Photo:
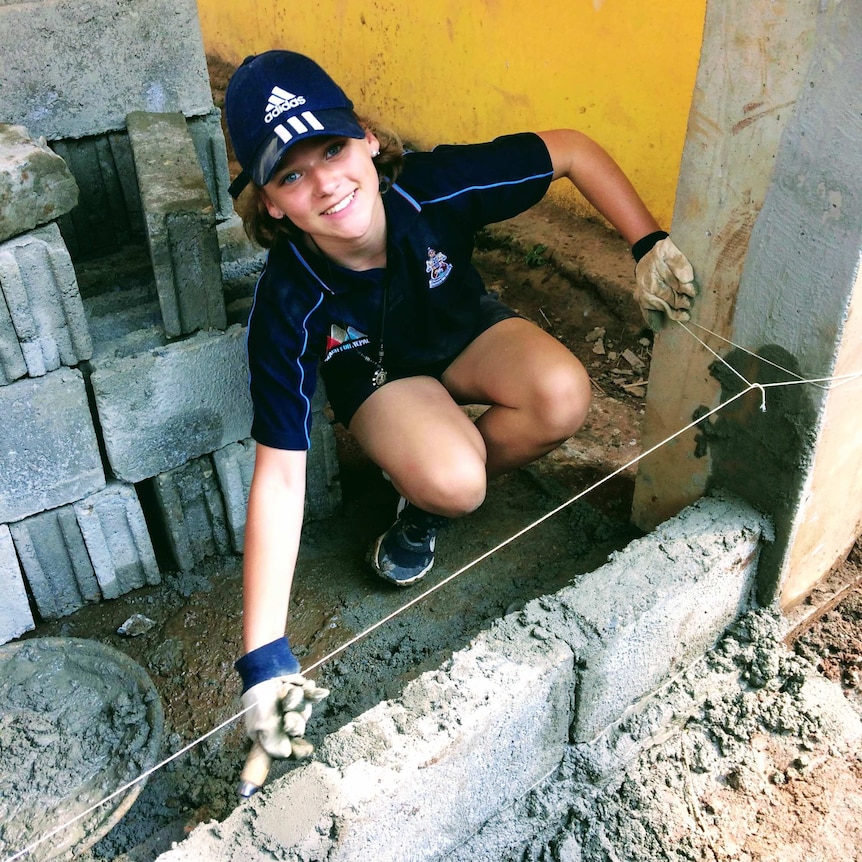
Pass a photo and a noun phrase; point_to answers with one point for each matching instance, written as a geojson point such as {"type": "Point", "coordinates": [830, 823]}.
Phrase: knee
{"type": "Point", "coordinates": [452, 490]}
{"type": "Point", "coordinates": [562, 400]}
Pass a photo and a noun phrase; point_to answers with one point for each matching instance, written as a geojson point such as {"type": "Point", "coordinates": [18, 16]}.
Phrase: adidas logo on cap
{"type": "Point", "coordinates": [280, 101]}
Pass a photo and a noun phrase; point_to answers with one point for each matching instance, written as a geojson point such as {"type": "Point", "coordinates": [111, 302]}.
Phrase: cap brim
{"type": "Point", "coordinates": [335, 122]}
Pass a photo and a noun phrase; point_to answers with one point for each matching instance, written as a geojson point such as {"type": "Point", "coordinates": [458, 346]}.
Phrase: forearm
{"type": "Point", "coordinates": [601, 181]}
{"type": "Point", "coordinates": [273, 528]}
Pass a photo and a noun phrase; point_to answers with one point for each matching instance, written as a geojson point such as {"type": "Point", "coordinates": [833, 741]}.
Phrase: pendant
{"type": "Point", "coordinates": [378, 378]}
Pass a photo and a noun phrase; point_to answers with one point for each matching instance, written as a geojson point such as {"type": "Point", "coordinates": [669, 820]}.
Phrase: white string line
{"type": "Point", "coordinates": [127, 786]}
{"type": "Point", "coordinates": [428, 592]}
{"type": "Point", "coordinates": [714, 353]}
{"type": "Point", "coordinates": [378, 624]}
{"type": "Point", "coordinates": [836, 380]}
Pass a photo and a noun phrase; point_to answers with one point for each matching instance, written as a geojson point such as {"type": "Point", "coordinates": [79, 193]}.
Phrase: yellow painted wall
{"type": "Point", "coordinates": [466, 70]}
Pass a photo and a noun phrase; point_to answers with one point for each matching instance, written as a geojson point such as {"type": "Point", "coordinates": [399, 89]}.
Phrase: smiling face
{"type": "Point", "coordinates": [328, 188]}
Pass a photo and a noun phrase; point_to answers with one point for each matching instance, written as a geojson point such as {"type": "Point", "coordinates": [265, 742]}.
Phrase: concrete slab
{"type": "Point", "coordinates": [118, 542]}
{"type": "Point", "coordinates": [162, 408]}
{"type": "Point", "coordinates": [36, 186]}
{"type": "Point", "coordinates": [12, 364]}
{"type": "Point", "coordinates": [180, 223]}
{"type": "Point", "coordinates": [56, 89]}
{"type": "Point", "coordinates": [192, 511]}
{"type": "Point", "coordinates": [208, 138]}
{"type": "Point", "coordinates": [42, 301]}
{"type": "Point", "coordinates": [49, 454]}
{"type": "Point", "coordinates": [56, 564]}
{"type": "Point", "coordinates": [109, 207]}
{"type": "Point", "coordinates": [235, 466]}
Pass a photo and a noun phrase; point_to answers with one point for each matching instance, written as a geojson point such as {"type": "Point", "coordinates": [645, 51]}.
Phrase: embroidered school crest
{"type": "Point", "coordinates": [437, 267]}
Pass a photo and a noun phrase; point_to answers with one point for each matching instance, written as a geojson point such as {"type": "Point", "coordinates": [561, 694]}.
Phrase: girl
{"type": "Point", "coordinates": [369, 278]}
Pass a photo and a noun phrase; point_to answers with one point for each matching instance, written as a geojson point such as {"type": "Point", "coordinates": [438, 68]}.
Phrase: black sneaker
{"type": "Point", "coordinates": [405, 552]}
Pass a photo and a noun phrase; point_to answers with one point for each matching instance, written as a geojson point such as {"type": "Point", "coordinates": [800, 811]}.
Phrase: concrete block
{"type": "Point", "coordinates": [118, 542]}
{"type": "Point", "coordinates": [412, 779]}
{"type": "Point", "coordinates": [42, 301]}
{"type": "Point", "coordinates": [55, 562]}
{"type": "Point", "coordinates": [180, 223]}
{"type": "Point", "coordinates": [235, 466]}
{"type": "Point", "coordinates": [36, 186]}
{"type": "Point", "coordinates": [322, 485]}
{"type": "Point", "coordinates": [239, 255]}
{"type": "Point", "coordinates": [109, 212]}
{"type": "Point", "coordinates": [193, 512]}
{"type": "Point", "coordinates": [49, 455]}
{"type": "Point", "coordinates": [208, 138]}
{"type": "Point", "coordinates": [655, 607]}
{"type": "Point", "coordinates": [15, 614]}
{"type": "Point", "coordinates": [159, 409]}
{"type": "Point", "coordinates": [75, 69]}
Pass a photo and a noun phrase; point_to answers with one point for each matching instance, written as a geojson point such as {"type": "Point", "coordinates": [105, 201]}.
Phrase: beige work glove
{"type": "Point", "coordinates": [279, 709]}
{"type": "Point", "coordinates": [665, 284]}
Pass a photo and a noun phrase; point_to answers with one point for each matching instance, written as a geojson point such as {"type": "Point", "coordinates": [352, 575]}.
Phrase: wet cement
{"type": "Point", "coordinates": [748, 755]}
{"type": "Point", "coordinates": [78, 720]}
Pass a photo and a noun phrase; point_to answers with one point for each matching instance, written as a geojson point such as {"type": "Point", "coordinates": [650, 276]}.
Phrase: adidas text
{"type": "Point", "coordinates": [282, 107]}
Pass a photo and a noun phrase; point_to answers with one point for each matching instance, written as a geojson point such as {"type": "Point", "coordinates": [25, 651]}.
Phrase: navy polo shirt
{"type": "Point", "coordinates": [309, 311]}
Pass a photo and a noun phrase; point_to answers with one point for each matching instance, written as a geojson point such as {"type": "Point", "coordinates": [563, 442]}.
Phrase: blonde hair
{"type": "Point", "coordinates": [265, 230]}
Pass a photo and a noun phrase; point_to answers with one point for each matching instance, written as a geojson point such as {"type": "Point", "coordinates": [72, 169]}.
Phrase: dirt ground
{"type": "Point", "coordinates": [770, 798]}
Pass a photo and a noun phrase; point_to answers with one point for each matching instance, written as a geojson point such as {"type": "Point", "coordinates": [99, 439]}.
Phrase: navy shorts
{"type": "Point", "coordinates": [349, 380]}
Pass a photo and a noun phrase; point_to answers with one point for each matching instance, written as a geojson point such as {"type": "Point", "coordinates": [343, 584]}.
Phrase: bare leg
{"type": "Point", "coordinates": [538, 392]}
{"type": "Point", "coordinates": [435, 456]}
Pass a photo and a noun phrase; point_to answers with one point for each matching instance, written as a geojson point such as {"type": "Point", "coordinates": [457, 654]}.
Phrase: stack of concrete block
{"type": "Point", "coordinates": [68, 536]}
{"type": "Point", "coordinates": [49, 455]}
{"type": "Point", "coordinates": [103, 399]}
{"type": "Point", "coordinates": [43, 320]}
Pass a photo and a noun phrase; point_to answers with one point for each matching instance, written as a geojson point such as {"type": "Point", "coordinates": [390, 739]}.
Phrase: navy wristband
{"type": "Point", "coordinates": [266, 662]}
{"type": "Point", "coordinates": [645, 243]}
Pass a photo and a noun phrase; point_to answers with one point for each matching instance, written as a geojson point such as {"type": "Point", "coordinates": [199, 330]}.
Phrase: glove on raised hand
{"type": "Point", "coordinates": [278, 698]}
{"type": "Point", "coordinates": [665, 280]}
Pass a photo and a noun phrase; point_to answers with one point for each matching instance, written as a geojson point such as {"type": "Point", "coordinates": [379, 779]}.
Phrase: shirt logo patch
{"type": "Point", "coordinates": [340, 339]}
{"type": "Point", "coordinates": [437, 267]}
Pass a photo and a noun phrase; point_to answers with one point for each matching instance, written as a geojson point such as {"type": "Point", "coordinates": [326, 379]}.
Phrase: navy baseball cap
{"type": "Point", "coordinates": [275, 99]}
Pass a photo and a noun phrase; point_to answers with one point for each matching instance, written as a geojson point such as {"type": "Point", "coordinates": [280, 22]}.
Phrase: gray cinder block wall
{"type": "Point", "coordinates": [133, 376]}
{"type": "Point", "coordinates": [415, 777]}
